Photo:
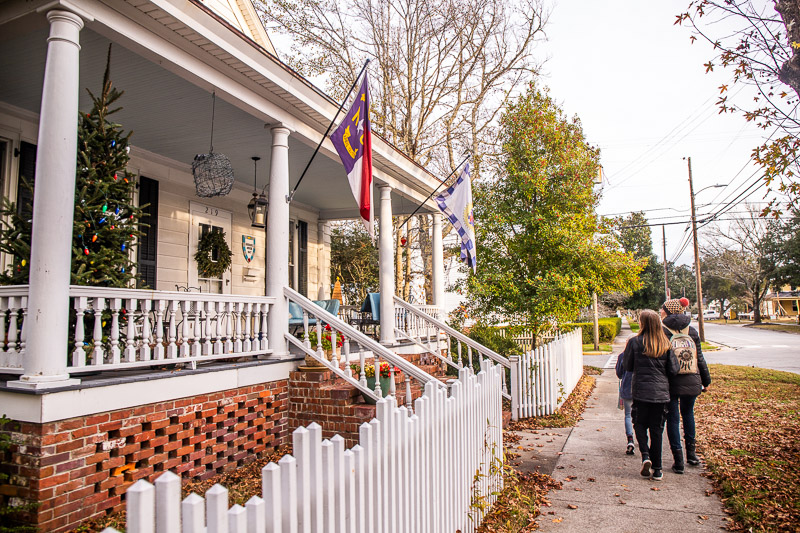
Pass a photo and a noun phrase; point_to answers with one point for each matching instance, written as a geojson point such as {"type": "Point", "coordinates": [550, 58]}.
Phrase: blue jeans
{"type": "Point", "coordinates": [680, 407]}
{"type": "Point", "coordinates": [628, 422]}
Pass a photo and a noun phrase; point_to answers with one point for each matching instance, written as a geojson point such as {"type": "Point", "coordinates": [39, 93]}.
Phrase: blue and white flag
{"type": "Point", "coordinates": [456, 204]}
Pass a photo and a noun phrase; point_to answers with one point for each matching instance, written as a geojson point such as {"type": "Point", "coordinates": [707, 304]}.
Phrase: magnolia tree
{"type": "Point", "coordinates": [541, 249]}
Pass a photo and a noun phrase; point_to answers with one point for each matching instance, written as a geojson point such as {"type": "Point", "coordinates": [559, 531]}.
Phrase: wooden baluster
{"type": "Point", "coordinates": [130, 331]}
{"type": "Point", "coordinates": [469, 356]}
{"type": "Point", "coordinates": [320, 351]}
{"type": "Point", "coordinates": [197, 329]}
{"type": "Point", "coordinates": [306, 341]}
{"type": "Point", "coordinates": [97, 334]}
{"type": "Point", "coordinates": [144, 348]}
{"type": "Point", "coordinates": [503, 377]}
{"type": "Point", "coordinates": [219, 310]}
{"type": "Point", "coordinates": [115, 304]}
{"type": "Point", "coordinates": [13, 322]}
{"type": "Point", "coordinates": [258, 345]}
{"type": "Point", "coordinates": [346, 357]}
{"type": "Point", "coordinates": [363, 377]}
{"type": "Point", "coordinates": [409, 405]}
{"type": "Point", "coordinates": [334, 350]}
{"type": "Point", "coordinates": [239, 334]}
{"type": "Point", "coordinates": [78, 354]}
{"type": "Point", "coordinates": [23, 336]}
{"type": "Point", "coordinates": [377, 365]}
{"type": "Point", "coordinates": [172, 346]}
{"type": "Point", "coordinates": [159, 351]}
{"type": "Point", "coordinates": [460, 359]}
{"type": "Point", "coordinates": [392, 386]}
{"type": "Point", "coordinates": [229, 329]}
{"type": "Point", "coordinates": [208, 348]}
{"type": "Point", "coordinates": [186, 347]}
{"type": "Point", "coordinates": [247, 346]}
{"type": "Point", "coordinates": [4, 357]}
{"type": "Point", "coordinates": [264, 330]}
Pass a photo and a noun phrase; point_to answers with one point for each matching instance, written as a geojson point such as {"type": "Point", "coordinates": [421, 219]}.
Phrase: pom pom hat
{"type": "Point", "coordinates": [675, 305]}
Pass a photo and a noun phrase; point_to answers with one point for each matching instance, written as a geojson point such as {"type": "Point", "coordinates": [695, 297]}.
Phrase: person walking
{"type": "Point", "coordinates": [691, 380]}
{"type": "Point", "coordinates": [649, 356]}
{"type": "Point", "coordinates": [626, 398]}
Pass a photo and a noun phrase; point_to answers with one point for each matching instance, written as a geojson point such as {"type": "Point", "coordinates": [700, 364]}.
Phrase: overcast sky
{"type": "Point", "coordinates": [640, 89]}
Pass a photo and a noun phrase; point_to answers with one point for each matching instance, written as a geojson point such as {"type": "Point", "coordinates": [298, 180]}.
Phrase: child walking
{"type": "Point", "coordinates": [649, 356]}
{"type": "Point", "coordinates": [626, 397]}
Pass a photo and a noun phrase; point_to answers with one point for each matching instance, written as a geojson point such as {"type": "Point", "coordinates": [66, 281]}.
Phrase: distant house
{"type": "Point", "coordinates": [784, 302]}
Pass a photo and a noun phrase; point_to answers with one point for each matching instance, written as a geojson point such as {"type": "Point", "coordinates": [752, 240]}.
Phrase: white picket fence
{"type": "Point", "coordinates": [543, 378]}
{"type": "Point", "coordinates": [436, 470]}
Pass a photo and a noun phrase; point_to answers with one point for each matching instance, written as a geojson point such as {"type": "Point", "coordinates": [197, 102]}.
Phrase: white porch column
{"type": "Point", "coordinates": [437, 260]}
{"type": "Point", "coordinates": [324, 259]}
{"type": "Point", "coordinates": [278, 239]}
{"type": "Point", "coordinates": [51, 240]}
{"type": "Point", "coordinates": [386, 266]}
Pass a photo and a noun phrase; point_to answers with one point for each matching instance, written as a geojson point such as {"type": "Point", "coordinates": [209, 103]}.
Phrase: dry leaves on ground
{"type": "Point", "coordinates": [569, 413]}
{"type": "Point", "coordinates": [748, 430]}
{"type": "Point", "coordinates": [519, 503]}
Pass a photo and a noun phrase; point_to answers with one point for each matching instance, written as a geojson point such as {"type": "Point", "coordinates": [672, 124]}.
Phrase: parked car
{"type": "Point", "coordinates": [745, 316]}
{"type": "Point", "coordinates": [708, 315]}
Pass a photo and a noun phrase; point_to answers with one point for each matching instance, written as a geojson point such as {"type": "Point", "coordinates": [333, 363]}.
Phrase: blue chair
{"type": "Point", "coordinates": [370, 313]}
{"type": "Point", "coordinates": [296, 313]}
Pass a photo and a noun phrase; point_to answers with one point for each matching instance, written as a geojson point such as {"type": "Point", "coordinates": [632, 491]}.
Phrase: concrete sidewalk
{"type": "Point", "coordinates": [602, 487]}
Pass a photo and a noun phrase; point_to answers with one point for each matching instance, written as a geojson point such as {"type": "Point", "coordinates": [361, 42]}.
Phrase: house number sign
{"type": "Point", "coordinates": [248, 247]}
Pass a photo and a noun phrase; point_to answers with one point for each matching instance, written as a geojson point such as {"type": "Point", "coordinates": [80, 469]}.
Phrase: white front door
{"type": "Point", "coordinates": [205, 218]}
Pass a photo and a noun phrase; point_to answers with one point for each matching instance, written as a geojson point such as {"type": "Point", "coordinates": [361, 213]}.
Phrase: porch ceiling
{"type": "Point", "coordinates": [171, 117]}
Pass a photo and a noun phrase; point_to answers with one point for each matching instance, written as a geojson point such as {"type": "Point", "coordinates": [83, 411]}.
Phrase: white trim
{"type": "Point", "coordinates": [54, 406]}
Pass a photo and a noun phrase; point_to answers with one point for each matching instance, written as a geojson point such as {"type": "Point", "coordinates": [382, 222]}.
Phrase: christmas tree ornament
{"type": "Point", "coordinates": [213, 173]}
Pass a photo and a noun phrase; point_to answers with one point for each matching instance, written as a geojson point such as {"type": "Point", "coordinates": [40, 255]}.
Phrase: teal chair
{"type": "Point", "coordinates": [296, 313]}
{"type": "Point", "coordinates": [370, 313]}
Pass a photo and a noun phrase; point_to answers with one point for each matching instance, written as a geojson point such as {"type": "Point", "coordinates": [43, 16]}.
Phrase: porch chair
{"type": "Point", "coordinates": [370, 313]}
{"type": "Point", "coordinates": [296, 313]}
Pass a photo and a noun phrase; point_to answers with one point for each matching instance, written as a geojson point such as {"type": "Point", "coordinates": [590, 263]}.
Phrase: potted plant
{"type": "Point", "coordinates": [326, 343]}
{"type": "Point", "coordinates": [384, 374]}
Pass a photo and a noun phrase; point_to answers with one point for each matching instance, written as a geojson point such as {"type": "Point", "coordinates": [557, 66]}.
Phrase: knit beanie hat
{"type": "Point", "coordinates": [676, 305]}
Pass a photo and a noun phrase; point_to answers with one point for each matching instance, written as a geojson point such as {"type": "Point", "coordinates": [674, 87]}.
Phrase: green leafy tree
{"type": "Point", "coordinates": [106, 221]}
{"type": "Point", "coordinates": [783, 250]}
{"type": "Point", "coordinates": [541, 249]}
{"type": "Point", "coordinates": [718, 288]}
{"type": "Point", "coordinates": [354, 261]}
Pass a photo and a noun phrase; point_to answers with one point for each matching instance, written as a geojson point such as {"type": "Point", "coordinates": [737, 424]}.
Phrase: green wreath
{"type": "Point", "coordinates": [206, 268]}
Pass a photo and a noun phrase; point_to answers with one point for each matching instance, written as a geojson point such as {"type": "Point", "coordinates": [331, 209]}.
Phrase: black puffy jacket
{"type": "Point", "coordinates": [651, 375]}
{"type": "Point", "coordinates": [687, 384]}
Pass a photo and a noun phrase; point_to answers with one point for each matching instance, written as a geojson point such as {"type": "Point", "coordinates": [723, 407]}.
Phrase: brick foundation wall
{"type": "Point", "coordinates": [81, 467]}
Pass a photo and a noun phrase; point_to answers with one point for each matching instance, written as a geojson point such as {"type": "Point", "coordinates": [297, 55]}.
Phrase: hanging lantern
{"type": "Point", "coordinates": [257, 208]}
{"type": "Point", "coordinates": [213, 173]}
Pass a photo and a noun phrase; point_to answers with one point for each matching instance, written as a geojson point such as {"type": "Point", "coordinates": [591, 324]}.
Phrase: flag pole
{"type": "Point", "coordinates": [290, 196]}
{"type": "Point", "coordinates": [434, 191]}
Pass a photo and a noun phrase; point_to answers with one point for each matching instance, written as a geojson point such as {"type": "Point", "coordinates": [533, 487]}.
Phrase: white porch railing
{"type": "Point", "coordinates": [352, 340]}
{"type": "Point", "coordinates": [543, 378]}
{"type": "Point", "coordinates": [428, 331]}
{"type": "Point", "coordinates": [127, 328]}
{"type": "Point", "coordinates": [439, 469]}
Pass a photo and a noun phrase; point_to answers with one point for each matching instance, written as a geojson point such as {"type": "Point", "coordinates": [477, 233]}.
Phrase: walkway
{"type": "Point", "coordinates": [602, 488]}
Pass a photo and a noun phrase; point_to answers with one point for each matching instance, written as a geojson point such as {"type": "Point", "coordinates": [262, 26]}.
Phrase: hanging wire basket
{"type": "Point", "coordinates": [213, 175]}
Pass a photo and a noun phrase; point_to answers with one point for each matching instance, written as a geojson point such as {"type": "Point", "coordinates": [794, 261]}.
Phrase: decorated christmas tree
{"type": "Point", "coordinates": [106, 221]}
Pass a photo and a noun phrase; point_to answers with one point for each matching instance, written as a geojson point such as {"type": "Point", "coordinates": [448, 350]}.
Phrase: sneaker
{"type": "Point", "coordinates": [646, 467]}
{"type": "Point", "coordinates": [658, 475]}
{"type": "Point", "coordinates": [629, 450]}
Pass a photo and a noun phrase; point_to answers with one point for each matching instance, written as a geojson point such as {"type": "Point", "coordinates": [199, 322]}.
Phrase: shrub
{"type": "Point", "coordinates": [607, 331]}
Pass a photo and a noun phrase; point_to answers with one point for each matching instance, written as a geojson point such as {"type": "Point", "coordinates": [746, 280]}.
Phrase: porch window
{"type": "Point", "coordinates": [27, 170]}
{"type": "Point", "coordinates": [298, 256]}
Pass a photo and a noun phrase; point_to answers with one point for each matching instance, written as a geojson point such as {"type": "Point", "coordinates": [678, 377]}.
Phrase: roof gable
{"type": "Point", "coordinates": [242, 15]}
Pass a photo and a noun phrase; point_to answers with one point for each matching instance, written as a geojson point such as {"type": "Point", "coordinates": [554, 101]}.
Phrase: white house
{"type": "Point", "coordinates": [195, 381]}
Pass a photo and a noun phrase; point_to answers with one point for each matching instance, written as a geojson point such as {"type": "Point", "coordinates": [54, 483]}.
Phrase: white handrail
{"type": "Point", "coordinates": [491, 354]}
{"type": "Point", "coordinates": [352, 333]}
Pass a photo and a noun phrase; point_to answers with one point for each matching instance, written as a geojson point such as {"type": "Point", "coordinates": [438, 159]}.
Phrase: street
{"type": "Point", "coordinates": [753, 347]}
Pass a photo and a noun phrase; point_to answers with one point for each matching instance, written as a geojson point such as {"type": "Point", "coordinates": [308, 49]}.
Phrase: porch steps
{"type": "Point", "coordinates": [339, 407]}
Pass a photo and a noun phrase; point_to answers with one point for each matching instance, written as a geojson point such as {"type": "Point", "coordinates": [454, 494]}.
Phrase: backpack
{"type": "Point", "coordinates": [685, 351]}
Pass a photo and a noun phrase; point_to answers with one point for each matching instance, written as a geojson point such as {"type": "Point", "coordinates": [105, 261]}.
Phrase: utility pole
{"type": "Point", "coordinates": [664, 243]}
{"type": "Point", "coordinates": [596, 324]}
{"type": "Point", "coordinates": [701, 328]}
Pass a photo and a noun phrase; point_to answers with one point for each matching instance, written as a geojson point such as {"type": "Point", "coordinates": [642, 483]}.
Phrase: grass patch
{"type": "Point", "coordinates": [786, 328]}
{"type": "Point", "coordinates": [752, 464]}
{"type": "Point", "coordinates": [633, 325]}
{"type": "Point", "coordinates": [590, 347]}
{"type": "Point", "coordinates": [707, 347]}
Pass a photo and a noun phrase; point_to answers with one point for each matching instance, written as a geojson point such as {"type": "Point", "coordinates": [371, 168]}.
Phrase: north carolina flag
{"type": "Point", "coordinates": [353, 142]}
{"type": "Point", "coordinates": [456, 204]}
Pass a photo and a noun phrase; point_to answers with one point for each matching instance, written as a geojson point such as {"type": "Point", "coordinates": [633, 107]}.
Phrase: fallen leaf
{"type": "Point", "coordinates": [590, 479]}
{"type": "Point", "coordinates": [616, 494]}
{"type": "Point", "coordinates": [578, 489]}
{"type": "Point", "coordinates": [557, 520]}
{"type": "Point", "coordinates": [572, 506]}
{"type": "Point", "coordinates": [654, 488]}
{"type": "Point", "coordinates": [622, 502]}
{"type": "Point", "coordinates": [703, 517]}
